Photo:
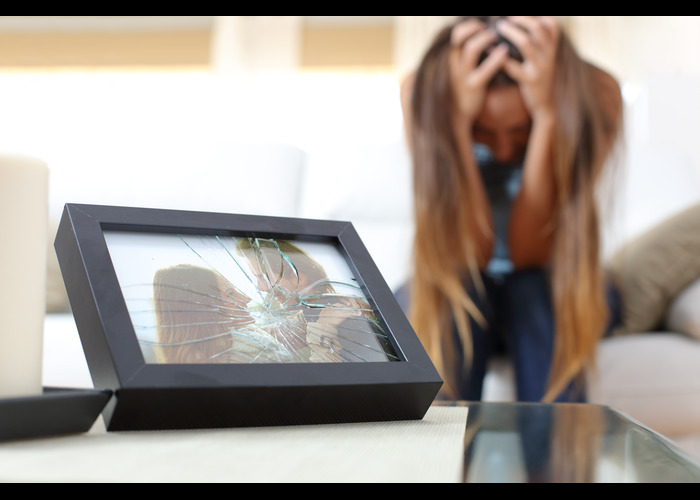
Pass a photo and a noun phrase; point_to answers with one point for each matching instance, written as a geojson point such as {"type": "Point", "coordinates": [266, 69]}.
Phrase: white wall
{"type": "Point", "coordinates": [634, 47]}
{"type": "Point", "coordinates": [136, 138]}
{"type": "Point", "coordinates": [657, 61]}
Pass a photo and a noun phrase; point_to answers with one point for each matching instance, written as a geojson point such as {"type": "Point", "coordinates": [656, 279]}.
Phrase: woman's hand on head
{"type": "Point", "coordinates": [468, 78]}
{"type": "Point", "coordinates": [537, 39]}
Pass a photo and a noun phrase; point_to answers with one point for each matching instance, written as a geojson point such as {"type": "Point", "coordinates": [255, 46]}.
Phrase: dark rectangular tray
{"type": "Point", "coordinates": [58, 411]}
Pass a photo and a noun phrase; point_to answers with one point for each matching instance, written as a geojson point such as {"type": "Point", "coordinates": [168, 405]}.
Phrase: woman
{"type": "Point", "coordinates": [196, 311]}
{"type": "Point", "coordinates": [509, 132]}
{"type": "Point", "coordinates": [340, 325]}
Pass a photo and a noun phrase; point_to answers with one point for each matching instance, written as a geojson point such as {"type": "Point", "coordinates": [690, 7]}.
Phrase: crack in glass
{"type": "Point", "coordinates": [249, 300]}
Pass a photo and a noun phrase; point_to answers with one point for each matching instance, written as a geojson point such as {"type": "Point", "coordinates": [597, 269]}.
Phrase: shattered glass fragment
{"type": "Point", "coordinates": [223, 299]}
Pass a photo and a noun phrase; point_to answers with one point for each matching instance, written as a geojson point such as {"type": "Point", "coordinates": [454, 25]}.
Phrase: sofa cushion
{"type": "Point", "coordinates": [654, 267]}
{"type": "Point", "coordinates": [372, 183]}
{"type": "Point", "coordinates": [684, 312]}
{"type": "Point", "coordinates": [652, 377]}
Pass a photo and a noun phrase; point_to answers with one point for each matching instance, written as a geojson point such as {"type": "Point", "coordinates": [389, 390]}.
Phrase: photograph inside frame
{"type": "Point", "coordinates": [227, 299]}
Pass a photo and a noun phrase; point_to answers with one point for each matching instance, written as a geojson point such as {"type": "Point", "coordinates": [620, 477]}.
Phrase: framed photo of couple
{"type": "Point", "coordinates": [197, 319]}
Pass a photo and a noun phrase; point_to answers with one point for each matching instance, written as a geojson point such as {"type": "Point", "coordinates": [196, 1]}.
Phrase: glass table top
{"type": "Point", "coordinates": [567, 442]}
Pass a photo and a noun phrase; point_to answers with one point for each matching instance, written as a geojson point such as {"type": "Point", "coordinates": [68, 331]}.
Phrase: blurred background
{"type": "Point", "coordinates": [130, 103]}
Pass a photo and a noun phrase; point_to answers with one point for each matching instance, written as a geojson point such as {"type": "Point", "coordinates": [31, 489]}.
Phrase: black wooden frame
{"type": "Point", "coordinates": [172, 396]}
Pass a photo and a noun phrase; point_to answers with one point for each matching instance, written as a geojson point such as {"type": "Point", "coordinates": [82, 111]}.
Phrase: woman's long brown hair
{"type": "Point", "coordinates": [195, 314]}
{"type": "Point", "coordinates": [588, 123]}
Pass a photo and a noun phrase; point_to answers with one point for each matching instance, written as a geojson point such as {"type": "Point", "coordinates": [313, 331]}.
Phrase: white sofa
{"type": "Point", "coordinates": [652, 376]}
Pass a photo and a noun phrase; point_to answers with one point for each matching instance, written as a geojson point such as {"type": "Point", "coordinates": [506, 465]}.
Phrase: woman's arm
{"type": "Point", "coordinates": [481, 222]}
{"type": "Point", "coordinates": [469, 82]}
{"type": "Point", "coordinates": [530, 234]}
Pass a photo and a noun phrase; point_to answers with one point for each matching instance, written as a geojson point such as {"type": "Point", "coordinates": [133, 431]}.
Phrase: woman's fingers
{"type": "Point", "coordinates": [465, 30]}
{"type": "Point", "coordinates": [543, 29]}
{"type": "Point", "coordinates": [465, 57]}
{"type": "Point", "coordinates": [537, 40]}
{"type": "Point", "coordinates": [531, 35]}
{"type": "Point", "coordinates": [473, 47]}
{"type": "Point", "coordinates": [496, 59]}
{"type": "Point", "coordinates": [514, 69]}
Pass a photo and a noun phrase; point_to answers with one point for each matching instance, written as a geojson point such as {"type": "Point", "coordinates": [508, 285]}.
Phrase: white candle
{"type": "Point", "coordinates": [24, 193]}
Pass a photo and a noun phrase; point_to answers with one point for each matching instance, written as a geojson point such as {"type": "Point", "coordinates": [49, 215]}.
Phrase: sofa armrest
{"type": "Point", "coordinates": [653, 377]}
{"type": "Point", "coordinates": [683, 315]}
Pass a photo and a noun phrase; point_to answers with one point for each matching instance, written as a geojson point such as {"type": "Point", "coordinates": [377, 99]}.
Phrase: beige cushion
{"type": "Point", "coordinates": [684, 312]}
{"type": "Point", "coordinates": [654, 267]}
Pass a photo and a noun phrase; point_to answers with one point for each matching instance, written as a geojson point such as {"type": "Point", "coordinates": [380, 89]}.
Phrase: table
{"type": "Point", "coordinates": [471, 442]}
{"type": "Point", "coordinates": [454, 442]}
{"type": "Point", "coordinates": [567, 442]}
{"type": "Point", "coordinates": [427, 450]}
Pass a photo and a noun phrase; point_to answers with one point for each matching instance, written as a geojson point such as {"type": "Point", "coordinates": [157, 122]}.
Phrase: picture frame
{"type": "Point", "coordinates": [294, 323]}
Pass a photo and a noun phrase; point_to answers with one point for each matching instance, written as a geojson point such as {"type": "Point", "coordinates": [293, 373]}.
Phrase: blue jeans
{"type": "Point", "coordinates": [520, 322]}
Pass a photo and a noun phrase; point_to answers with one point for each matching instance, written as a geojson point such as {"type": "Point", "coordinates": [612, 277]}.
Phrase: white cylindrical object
{"type": "Point", "coordinates": [24, 194]}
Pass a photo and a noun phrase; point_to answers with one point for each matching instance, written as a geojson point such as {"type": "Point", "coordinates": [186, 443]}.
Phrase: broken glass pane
{"type": "Point", "coordinates": [223, 299]}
